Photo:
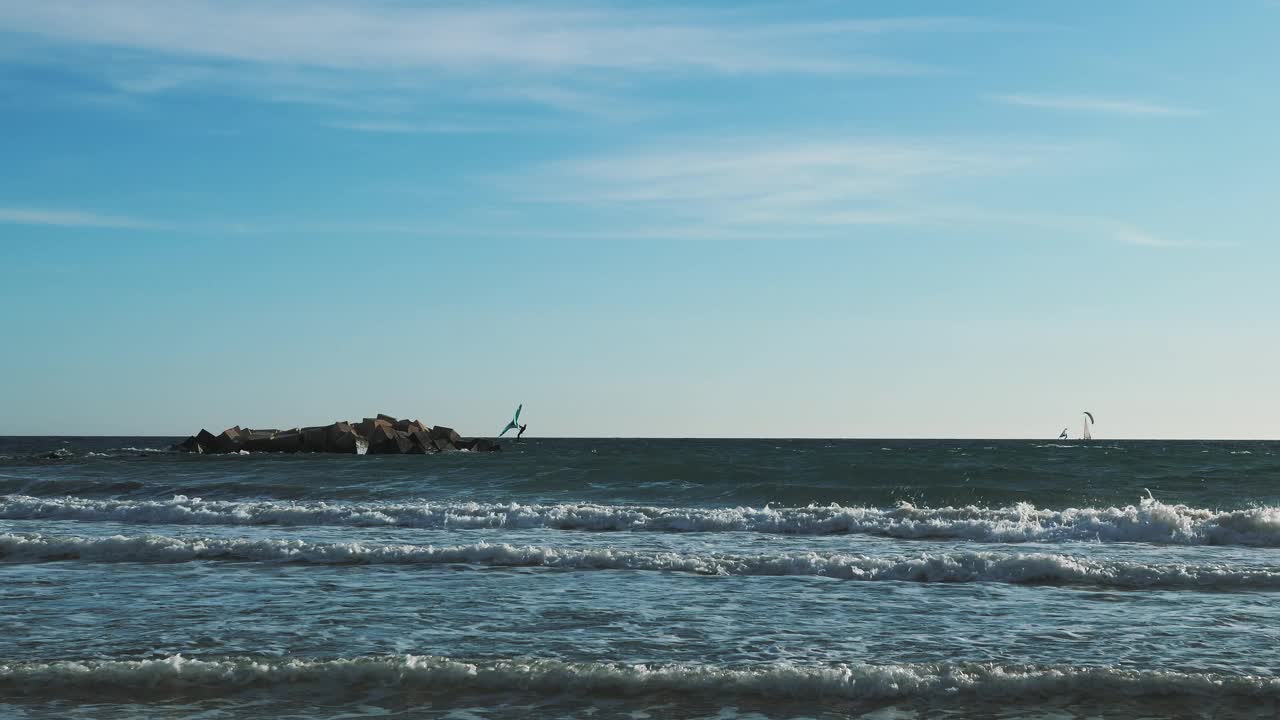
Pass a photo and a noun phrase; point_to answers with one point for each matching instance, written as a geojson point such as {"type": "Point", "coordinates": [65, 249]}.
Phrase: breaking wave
{"type": "Point", "coordinates": [1150, 521]}
{"type": "Point", "coordinates": [942, 567]}
{"type": "Point", "coordinates": [177, 675]}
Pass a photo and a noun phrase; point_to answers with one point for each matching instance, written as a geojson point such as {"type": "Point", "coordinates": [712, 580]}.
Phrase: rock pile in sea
{"type": "Point", "coordinates": [377, 435]}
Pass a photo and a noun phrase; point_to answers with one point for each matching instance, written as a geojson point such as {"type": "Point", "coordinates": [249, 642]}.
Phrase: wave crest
{"type": "Point", "coordinates": [176, 675]}
{"type": "Point", "coordinates": [946, 567]}
{"type": "Point", "coordinates": [1149, 521]}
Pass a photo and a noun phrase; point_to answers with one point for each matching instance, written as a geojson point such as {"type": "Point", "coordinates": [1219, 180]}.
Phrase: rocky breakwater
{"type": "Point", "coordinates": [378, 435]}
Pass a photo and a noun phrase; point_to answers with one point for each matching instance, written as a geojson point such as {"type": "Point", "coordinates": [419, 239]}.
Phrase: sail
{"type": "Point", "coordinates": [1085, 434]}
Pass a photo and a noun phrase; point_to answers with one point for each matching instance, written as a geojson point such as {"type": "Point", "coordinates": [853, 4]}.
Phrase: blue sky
{"type": "Point", "coordinates": [875, 219]}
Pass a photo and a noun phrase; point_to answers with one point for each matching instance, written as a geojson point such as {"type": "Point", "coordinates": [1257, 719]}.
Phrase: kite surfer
{"type": "Point", "coordinates": [515, 422]}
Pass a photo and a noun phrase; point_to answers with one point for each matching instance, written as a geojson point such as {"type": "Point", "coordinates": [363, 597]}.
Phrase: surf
{"type": "Point", "coordinates": [1148, 521]}
{"type": "Point", "coordinates": [177, 676]}
{"type": "Point", "coordinates": [926, 567]}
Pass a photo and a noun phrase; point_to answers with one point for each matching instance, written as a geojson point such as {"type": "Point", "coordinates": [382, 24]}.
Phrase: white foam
{"type": "Point", "coordinates": [176, 675]}
{"type": "Point", "coordinates": [1149, 521]}
{"type": "Point", "coordinates": [948, 567]}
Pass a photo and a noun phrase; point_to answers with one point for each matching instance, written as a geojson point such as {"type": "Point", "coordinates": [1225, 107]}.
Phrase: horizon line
{"type": "Point", "coordinates": [778, 438]}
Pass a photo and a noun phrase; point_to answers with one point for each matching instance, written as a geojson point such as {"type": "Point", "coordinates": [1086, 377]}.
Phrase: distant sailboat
{"type": "Point", "coordinates": [1085, 434]}
{"type": "Point", "coordinates": [1063, 434]}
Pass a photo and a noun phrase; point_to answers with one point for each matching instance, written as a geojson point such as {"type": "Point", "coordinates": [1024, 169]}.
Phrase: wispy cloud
{"type": "Point", "coordinates": [1077, 225]}
{"type": "Point", "coordinates": [779, 187]}
{"type": "Point", "coordinates": [589, 103]}
{"type": "Point", "coordinates": [153, 79]}
{"type": "Point", "coordinates": [557, 56]}
{"type": "Point", "coordinates": [1093, 104]}
{"type": "Point", "coordinates": [393, 35]}
{"type": "Point", "coordinates": [411, 128]}
{"type": "Point", "coordinates": [69, 218]}
{"type": "Point", "coordinates": [1134, 236]}
{"type": "Point", "coordinates": [780, 168]}
{"type": "Point", "coordinates": [771, 183]}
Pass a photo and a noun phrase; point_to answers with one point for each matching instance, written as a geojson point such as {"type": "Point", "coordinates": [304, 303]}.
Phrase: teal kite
{"type": "Point", "coordinates": [515, 421]}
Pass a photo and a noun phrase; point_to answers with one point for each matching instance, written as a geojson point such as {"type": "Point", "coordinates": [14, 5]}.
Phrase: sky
{"type": "Point", "coordinates": [760, 219]}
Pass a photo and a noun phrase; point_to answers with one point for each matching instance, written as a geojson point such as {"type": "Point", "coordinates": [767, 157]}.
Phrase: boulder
{"type": "Point", "coordinates": [315, 439]}
{"type": "Point", "coordinates": [404, 441]}
{"type": "Point", "coordinates": [441, 432]}
{"type": "Point", "coordinates": [386, 440]}
{"type": "Point", "coordinates": [202, 442]}
{"type": "Point", "coordinates": [257, 440]}
{"type": "Point", "coordinates": [206, 442]}
{"type": "Point", "coordinates": [422, 442]}
{"type": "Point", "coordinates": [229, 441]}
{"type": "Point", "coordinates": [484, 445]}
{"type": "Point", "coordinates": [286, 441]}
{"type": "Point", "coordinates": [410, 425]}
{"type": "Point", "coordinates": [416, 447]}
{"type": "Point", "coordinates": [444, 438]}
{"type": "Point", "coordinates": [188, 445]}
{"type": "Point", "coordinates": [387, 418]}
{"type": "Point", "coordinates": [366, 426]}
{"type": "Point", "coordinates": [341, 437]}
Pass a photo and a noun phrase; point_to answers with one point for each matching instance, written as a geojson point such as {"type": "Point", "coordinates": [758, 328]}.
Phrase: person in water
{"type": "Point", "coordinates": [522, 429]}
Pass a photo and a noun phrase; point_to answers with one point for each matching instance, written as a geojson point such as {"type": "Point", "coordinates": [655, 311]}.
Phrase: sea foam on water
{"type": "Point", "coordinates": [1149, 521]}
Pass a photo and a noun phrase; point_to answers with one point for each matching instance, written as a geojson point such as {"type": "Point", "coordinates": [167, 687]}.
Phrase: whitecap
{"type": "Point", "coordinates": [926, 567]}
{"type": "Point", "coordinates": [177, 675]}
{"type": "Point", "coordinates": [1149, 521]}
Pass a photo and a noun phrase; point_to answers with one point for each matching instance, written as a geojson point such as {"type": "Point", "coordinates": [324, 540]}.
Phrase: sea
{"type": "Point", "coordinates": [602, 578]}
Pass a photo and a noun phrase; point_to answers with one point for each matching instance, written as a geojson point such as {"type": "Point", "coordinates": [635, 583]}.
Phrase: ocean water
{"type": "Point", "coordinates": [643, 579]}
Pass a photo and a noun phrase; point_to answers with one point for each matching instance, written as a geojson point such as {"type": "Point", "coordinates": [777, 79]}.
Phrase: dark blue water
{"type": "Point", "coordinates": [642, 578]}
